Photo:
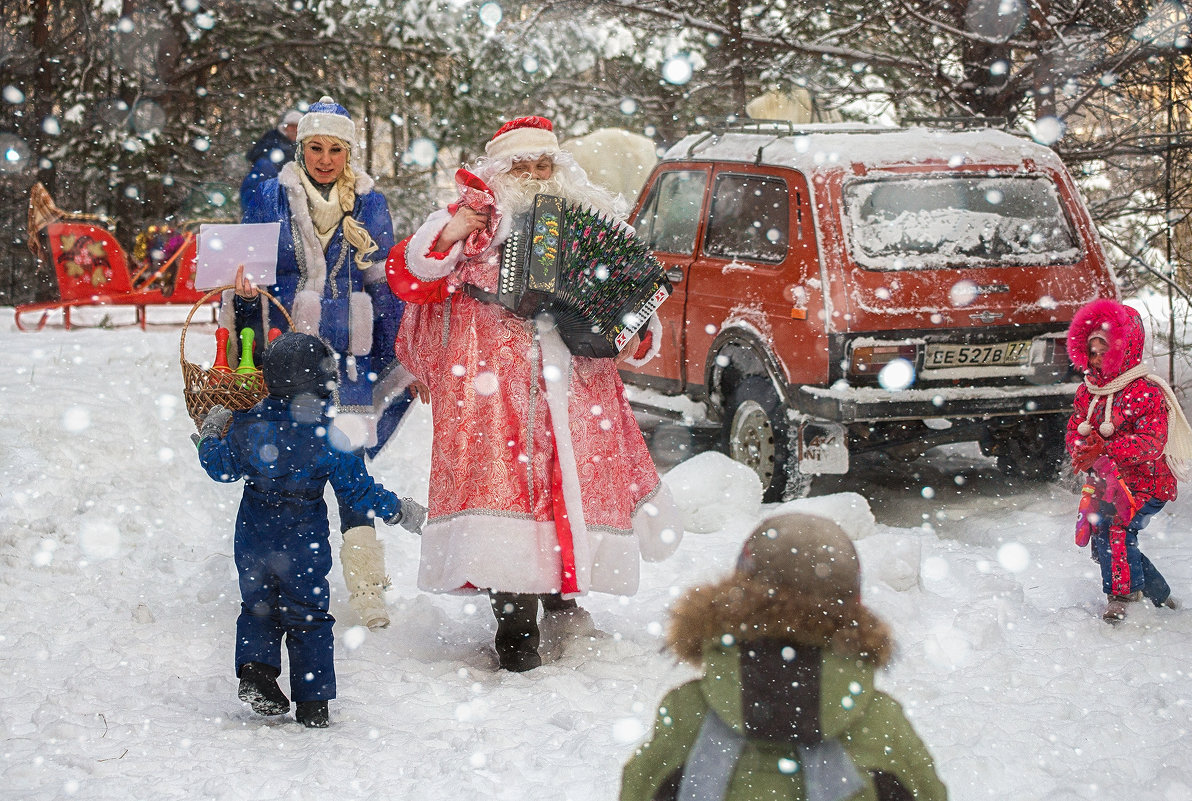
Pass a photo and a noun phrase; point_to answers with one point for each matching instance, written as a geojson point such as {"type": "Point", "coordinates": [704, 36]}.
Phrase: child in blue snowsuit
{"type": "Point", "coordinates": [282, 550]}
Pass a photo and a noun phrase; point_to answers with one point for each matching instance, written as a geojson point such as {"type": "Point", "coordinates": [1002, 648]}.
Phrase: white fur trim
{"type": "Point", "coordinates": [396, 379]}
{"type": "Point", "coordinates": [358, 424]}
{"type": "Point", "coordinates": [517, 554]}
{"type": "Point", "coordinates": [360, 323]}
{"type": "Point", "coordinates": [364, 182]}
{"type": "Point", "coordinates": [557, 356]}
{"type": "Point", "coordinates": [654, 326]}
{"type": "Point", "coordinates": [307, 312]}
{"type": "Point", "coordinates": [227, 319]}
{"type": "Point", "coordinates": [418, 262]}
{"type": "Point", "coordinates": [303, 229]}
{"type": "Point", "coordinates": [358, 429]}
{"type": "Point", "coordinates": [519, 141]}
{"type": "Point", "coordinates": [659, 530]}
{"type": "Point", "coordinates": [321, 123]}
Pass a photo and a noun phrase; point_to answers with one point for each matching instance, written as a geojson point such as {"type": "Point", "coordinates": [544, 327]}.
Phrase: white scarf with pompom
{"type": "Point", "coordinates": [1178, 449]}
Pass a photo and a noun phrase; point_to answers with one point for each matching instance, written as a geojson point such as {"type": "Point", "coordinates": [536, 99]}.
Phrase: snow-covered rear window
{"type": "Point", "coordinates": [928, 222]}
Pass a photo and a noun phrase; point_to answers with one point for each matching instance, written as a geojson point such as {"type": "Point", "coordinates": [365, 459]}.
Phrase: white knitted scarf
{"type": "Point", "coordinates": [1178, 450]}
{"type": "Point", "coordinates": [325, 213]}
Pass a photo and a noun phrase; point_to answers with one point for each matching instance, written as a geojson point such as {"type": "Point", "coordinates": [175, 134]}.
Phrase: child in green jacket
{"type": "Point", "coordinates": [786, 707]}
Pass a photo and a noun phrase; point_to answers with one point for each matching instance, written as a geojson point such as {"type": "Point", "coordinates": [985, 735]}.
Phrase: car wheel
{"type": "Point", "coordinates": [1035, 449]}
{"type": "Point", "coordinates": [756, 434]}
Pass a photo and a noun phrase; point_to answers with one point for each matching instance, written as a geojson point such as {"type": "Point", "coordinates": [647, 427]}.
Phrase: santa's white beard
{"type": "Point", "coordinates": [516, 195]}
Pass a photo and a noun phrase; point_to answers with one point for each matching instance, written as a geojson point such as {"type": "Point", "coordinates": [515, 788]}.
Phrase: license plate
{"type": "Point", "coordinates": [1001, 353]}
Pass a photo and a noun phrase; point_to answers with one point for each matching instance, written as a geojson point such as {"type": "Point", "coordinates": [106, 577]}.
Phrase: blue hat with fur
{"type": "Point", "coordinates": [327, 118]}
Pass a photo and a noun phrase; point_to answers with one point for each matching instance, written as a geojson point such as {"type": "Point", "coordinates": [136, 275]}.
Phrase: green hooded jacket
{"type": "Point", "coordinates": [785, 676]}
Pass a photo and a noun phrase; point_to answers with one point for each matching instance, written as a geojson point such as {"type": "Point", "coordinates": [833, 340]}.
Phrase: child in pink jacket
{"type": "Point", "coordinates": [1127, 422]}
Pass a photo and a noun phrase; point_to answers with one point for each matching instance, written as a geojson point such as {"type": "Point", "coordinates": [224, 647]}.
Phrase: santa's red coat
{"type": "Point", "coordinates": [515, 415]}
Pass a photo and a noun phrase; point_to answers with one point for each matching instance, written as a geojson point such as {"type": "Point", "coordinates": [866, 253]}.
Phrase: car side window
{"type": "Point", "coordinates": [749, 219]}
{"type": "Point", "coordinates": [669, 220]}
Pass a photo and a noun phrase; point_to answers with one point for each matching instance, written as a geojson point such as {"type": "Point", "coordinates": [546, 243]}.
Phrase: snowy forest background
{"type": "Point", "coordinates": [117, 590]}
{"type": "Point", "coordinates": [142, 111]}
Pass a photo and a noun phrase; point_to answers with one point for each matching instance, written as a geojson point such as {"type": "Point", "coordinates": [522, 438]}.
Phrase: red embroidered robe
{"type": "Point", "coordinates": [521, 430]}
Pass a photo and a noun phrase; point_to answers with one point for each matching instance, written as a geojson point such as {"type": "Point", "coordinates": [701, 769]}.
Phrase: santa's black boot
{"type": "Point", "coordinates": [312, 714]}
{"type": "Point", "coordinates": [258, 688]}
{"type": "Point", "coordinates": [517, 630]}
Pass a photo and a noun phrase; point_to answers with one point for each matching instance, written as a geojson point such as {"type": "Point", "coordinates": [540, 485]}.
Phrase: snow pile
{"type": "Point", "coordinates": [711, 490]}
{"type": "Point", "coordinates": [119, 600]}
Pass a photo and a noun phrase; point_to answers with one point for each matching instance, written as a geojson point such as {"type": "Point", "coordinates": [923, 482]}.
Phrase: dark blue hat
{"type": "Point", "coordinates": [297, 363]}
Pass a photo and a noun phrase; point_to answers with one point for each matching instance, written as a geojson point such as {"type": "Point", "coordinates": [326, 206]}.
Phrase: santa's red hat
{"type": "Point", "coordinates": [525, 136]}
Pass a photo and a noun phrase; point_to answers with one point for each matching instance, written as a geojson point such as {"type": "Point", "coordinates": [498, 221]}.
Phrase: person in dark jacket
{"type": "Point", "coordinates": [269, 154]}
{"type": "Point", "coordinates": [786, 707]}
{"type": "Point", "coordinates": [282, 548]}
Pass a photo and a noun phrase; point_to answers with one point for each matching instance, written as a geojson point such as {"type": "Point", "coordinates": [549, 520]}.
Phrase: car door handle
{"type": "Point", "coordinates": [674, 275]}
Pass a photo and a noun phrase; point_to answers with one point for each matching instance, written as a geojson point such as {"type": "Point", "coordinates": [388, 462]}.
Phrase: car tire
{"type": "Point", "coordinates": [1036, 450]}
{"type": "Point", "coordinates": [756, 434]}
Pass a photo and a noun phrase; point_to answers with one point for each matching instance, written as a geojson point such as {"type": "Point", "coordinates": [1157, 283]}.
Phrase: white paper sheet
{"type": "Point", "coordinates": [224, 247]}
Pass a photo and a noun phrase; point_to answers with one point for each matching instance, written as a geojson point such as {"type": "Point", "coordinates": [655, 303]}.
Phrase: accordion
{"type": "Point", "coordinates": [597, 280]}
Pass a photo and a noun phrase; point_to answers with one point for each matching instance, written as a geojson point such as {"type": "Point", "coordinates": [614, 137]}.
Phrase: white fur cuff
{"type": "Point", "coordinates": [360, 323]}
{"type": "Point", "coordinates": [308, 312]}
{"type": "Point", "coordinates": [654, 326]}
{"type": "Point", "coordinates": [418, 262]}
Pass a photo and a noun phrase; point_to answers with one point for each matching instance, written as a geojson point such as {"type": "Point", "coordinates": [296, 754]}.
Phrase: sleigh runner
{"type": "Point", "coordinates": [93, 269]}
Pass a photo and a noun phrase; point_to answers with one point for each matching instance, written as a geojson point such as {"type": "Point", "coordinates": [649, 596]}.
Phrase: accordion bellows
{"type": "Point", "coordinates": [597, 280]}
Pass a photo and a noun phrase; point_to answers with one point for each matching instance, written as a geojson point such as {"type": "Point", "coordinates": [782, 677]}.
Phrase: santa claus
{"type": "Point", "coordinates": [541, 485]}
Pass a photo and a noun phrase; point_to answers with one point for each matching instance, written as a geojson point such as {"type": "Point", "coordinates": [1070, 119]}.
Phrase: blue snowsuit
{"type": "Point", "coordinates": [369, 386]}
{"type": "Point", "coordinates": [267, 156]}
{"type": "Point", "coordinates": [283, 553]}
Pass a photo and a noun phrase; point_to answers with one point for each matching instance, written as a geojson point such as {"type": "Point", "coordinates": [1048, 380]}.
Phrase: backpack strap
{"type": "Point", "coordinates": [828, 771]}
{"type": "Point", "coordinates": [712, 761]}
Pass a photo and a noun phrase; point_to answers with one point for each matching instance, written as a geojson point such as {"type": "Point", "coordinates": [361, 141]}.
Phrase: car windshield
{"type": "Point", "coordinates": [925, 222]}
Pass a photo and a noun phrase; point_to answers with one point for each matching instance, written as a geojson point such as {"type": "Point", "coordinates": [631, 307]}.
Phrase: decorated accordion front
{"type": "Point", "coordinates": [598, 281]}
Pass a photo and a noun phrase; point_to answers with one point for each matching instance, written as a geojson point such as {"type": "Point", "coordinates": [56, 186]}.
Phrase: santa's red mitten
{"type": "Point", "coordinates": [476, 195]}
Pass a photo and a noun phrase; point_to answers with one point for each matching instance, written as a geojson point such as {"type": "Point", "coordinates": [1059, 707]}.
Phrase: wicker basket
{"type": "Point", "coordinates": [205, 389]}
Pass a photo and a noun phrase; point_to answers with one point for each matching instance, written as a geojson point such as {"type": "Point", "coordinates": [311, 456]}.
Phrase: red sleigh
{"type": "Point", "coordinates": [93, 269]}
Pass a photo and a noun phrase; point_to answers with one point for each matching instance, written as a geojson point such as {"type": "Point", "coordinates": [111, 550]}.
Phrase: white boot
{"type": "Point", "coordinates": [566, 618]}
{"type": "Point", "coordinates": [363, 561]}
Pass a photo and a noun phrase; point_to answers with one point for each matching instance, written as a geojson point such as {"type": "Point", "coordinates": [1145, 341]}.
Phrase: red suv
{"type": "Point", "coordinates": [846, 289]}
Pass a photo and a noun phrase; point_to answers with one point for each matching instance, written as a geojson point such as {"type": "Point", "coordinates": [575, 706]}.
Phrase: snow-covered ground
{"type": "Point", "coordinates": [119, 599]}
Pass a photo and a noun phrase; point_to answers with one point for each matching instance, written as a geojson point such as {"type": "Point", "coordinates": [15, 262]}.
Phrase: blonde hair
{"type": "Point", "coordinates": [355, 234]}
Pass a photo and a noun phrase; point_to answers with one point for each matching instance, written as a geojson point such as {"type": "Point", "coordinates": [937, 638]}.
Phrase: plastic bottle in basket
{"type": "Point", "coordinates": [246, 363]}
{"type": "Point", "coordinates": [221, 373]}
{"type": "Point", "coordinates": [250, 376]}
{"type": "Point", "coordinates": [221, 351]}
